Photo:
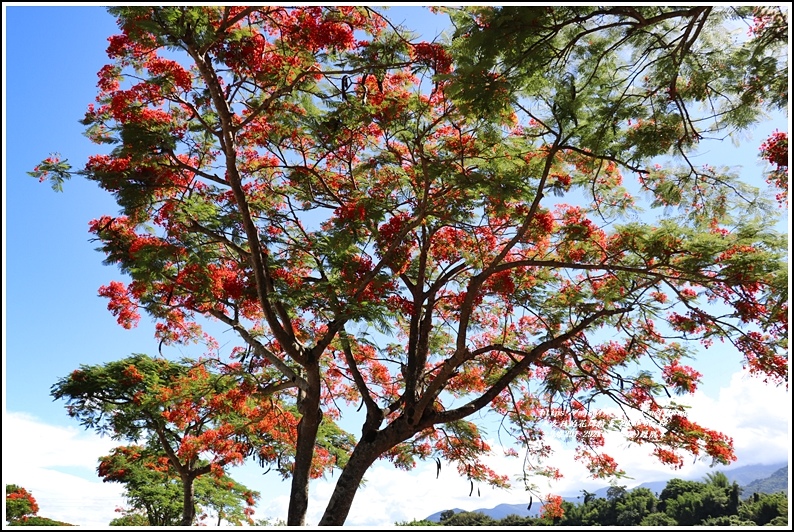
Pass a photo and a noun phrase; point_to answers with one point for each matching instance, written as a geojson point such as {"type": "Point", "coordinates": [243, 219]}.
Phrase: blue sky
{"type": "Point", "coordinates": [54, 321]}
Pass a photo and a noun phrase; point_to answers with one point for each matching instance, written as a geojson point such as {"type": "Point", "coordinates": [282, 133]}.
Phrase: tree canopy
{"type": "Point", "coordinates": [511, 221]}
{"type": "Point", "coordinates": [154, 491]}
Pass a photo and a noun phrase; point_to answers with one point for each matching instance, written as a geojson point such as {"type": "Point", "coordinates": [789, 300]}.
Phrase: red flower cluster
{"type": "Point", "coordinates": [775, 151]}
{"type": "Point", "coordinates": [121, 304]}
{"type": "Point", "coordinates": [23, 494]}
{"type": "Point", "coordinates": [553, 508]}
{"type": "Point", "coordinates": [688, 435]}
{"type": "Point", "coordinates": [166, 67]}
{"type": "Point", "coordinates": [683, 378]}
{"type": "Point", "coordinates": [388, 234]}
{"type": "Point", "coordinates": [433, 55]}
{"type": "Point", "coordinates": [310, 27]}
{"type": "Point", "coordinates": [765, 17]}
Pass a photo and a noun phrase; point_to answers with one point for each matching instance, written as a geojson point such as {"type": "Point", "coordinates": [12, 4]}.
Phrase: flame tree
{"type": "Point", "coordinates": [196, 422]}
{"type": "Point", "coordinates": [22, 509]}
{"type": "Point", "coordinates": [429, 230]}
{"type": "Point", "coordinates": [154, 490]}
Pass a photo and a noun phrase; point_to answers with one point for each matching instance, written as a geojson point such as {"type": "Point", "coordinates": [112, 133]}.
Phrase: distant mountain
{"type": "Point", "coordinates": [753, 478]}
{"type": "Point", "coordinates": [746, 474]}
{"type": "Point", "coordinates": [498, 512]}
{"type": "Point", "coordinates": [777, 481]}
{"type": "Point", "coordinates": [741, 475]}
{"type": "Point", "coordinates": [436, 517]}
{"type": "Point", "coordinates": [656, 486]}
{"type": "Point", "coordinates": [503, 510]}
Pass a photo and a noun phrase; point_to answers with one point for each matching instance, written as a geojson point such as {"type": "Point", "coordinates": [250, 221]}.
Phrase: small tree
{"type": "Point", "coordinates": [154, 489]}
{"type": "Point", "coordinates": [635, 506]}
{"type": "Point", "coordinates": [19, 503]}
{"type": "Point", "coordinates": [692, 503]}
{"type": "Point", "coordinates": [227, 499]}
{"type": "Point", "coordinates": [149, 490]}
{"type": "Point", "coordinates": [184, 410]}
{"type": "Point", "coordinates": [130, 518]}
{"type": "Point", "coordinates": [22, 509]}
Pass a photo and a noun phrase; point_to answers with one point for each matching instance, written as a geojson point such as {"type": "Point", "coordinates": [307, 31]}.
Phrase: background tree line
{"type": "Point", "coordinates": [713, 502]}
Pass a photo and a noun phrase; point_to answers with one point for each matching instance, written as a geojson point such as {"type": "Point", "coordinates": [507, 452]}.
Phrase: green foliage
{"type": "Point", "coordinates": [634, 507]}
{"type": "Point", "coordinates": [692, 508]}
{"type": "Point", "coordinates": [131, 519]}
{"type": "Point", "coordinates": [517, 520]}
{"type": "Point", "coordinates": [112, 398]}
{"type": "Point", "coordinates": [335, 441]}
{"type": "Point", "coordinates": [715, 502]}
{"type": "Point", "coordinates": [467, 519]}
{"type": "Point", "coordinates": [184, 412]}
{"type": "Point", "coordinates": [629, 63]}
{"type": "Point", "coordinates": [54, 169]}
{"type": "Point", "coordinates": [597, 511]}
{"type": "Point", "coordinates": [727, 520]}
{"type": "Point", "coordinates": [757, 72]}
{"type": "Point", "coordinates": [658, 519]}
{"type": "Point", "coordinates": [231, 502]}
{"type": "Point", "coordinates": [148, 488]}
{"type": "Point", "coordinates": [765, 508]}
{"type": "Point", "coordinates": [154, 491]}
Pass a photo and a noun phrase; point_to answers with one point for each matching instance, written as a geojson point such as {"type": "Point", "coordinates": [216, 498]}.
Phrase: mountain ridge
{"type": "Point", "coordinates": [777, 481]}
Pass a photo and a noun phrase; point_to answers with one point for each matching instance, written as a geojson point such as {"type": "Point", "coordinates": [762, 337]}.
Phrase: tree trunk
{"type": "Point", "coordinates": [311, 416]}
{"type": "Point", "coordinates": [364, 455]}
{"type": "Point", "coordinates": [188, 506]}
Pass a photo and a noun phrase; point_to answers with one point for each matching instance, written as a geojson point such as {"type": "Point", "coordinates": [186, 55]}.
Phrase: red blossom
{"type": "Point", "coordinates": [166, 67]}
{"type": "Point", "coordinates": [775, 151]}
{"type": "Point", "coordinates": [668, 457]}
{"type": "Point", "coordinates": [683, 378]}
{"type": "Point", "coordinates": [23, 494]}
{"type": "Point", "coordinates": [552, 508]}
{"type": "Point", "coordinates": [132, 375]}
{"type": "Point", "coordinates": [121, 304]}
{"type": "Point", "coordinates": [433, 55]}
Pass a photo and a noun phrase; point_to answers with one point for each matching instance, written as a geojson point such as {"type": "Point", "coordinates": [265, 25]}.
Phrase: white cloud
{"type": "Point", "coordinates": [32, 450]}
{"type": "Point", "coordinates": [756, 415]}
